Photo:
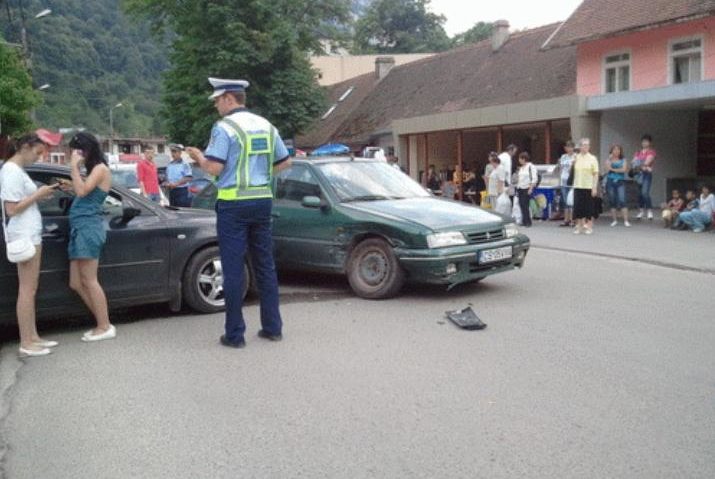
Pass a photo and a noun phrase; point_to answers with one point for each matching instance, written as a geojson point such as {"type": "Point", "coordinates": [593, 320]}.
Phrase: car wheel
{"type": "Point", "coordinates": [203, 282]}
{"type": "Point", "coordinates": [373, 270]}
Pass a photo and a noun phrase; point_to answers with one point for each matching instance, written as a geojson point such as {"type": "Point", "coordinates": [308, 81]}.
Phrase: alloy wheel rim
{"type": "Point", "coordinates": [210, 282]}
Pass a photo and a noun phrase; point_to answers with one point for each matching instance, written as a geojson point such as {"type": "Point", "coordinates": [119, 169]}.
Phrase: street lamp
{"type": "Point", "coordinates": [111, 125]}
{"type": "Point", "coordinates": [43, 13]}
{"type": "Point", "coordinates": [23, 34]}
{"type": "Point", "coordinates": [43, 87]}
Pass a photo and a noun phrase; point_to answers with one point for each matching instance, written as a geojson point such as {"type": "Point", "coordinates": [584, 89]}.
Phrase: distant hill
{"type": "Point", "coordinates": [94, 57]}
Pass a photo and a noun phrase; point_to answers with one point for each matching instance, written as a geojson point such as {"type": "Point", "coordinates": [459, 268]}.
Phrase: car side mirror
{"type": "Point", "coordinates": [129, 213]}
{"type": "Point", "coordinates": [312, 202]}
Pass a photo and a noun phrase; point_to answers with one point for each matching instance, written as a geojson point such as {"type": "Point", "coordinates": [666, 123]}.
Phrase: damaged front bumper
{"type": "Point", "coordinates": [461, 264]}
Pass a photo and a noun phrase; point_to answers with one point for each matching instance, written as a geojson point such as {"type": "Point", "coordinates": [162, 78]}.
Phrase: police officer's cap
{"type": "Point", "coordinates": [176, 146]}
{"type": "Point", "coordinates": [222, 86]}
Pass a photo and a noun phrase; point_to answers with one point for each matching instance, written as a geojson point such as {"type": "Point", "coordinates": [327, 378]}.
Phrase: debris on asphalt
{"type": "Point", "coordinates": [466, 319]}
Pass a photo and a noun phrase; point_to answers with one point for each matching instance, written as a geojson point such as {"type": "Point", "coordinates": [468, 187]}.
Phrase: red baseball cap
{"type": "Point", "coordinates": [49, 138]}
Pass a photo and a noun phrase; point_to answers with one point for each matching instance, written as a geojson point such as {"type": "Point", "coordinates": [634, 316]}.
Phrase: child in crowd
{"type": "Point", "coordinates": [672, 209]}
{"type": "Point", "coordinates": [702, 217]}
{"type": "Point", "coordinates": [692, 204]}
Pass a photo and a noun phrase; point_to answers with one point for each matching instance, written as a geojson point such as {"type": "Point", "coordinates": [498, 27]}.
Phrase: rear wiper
{"type": "Point", "coordinates": [366, 198]}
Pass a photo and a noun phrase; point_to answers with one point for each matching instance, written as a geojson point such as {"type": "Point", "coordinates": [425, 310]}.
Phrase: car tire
{"type": "Point", "coordinates": [373, 270]}
{"type": "Point", "coordinates": [203, 282]}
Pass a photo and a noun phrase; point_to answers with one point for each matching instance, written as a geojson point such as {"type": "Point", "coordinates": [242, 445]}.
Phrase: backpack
{"type": "Point", "coordinates": [531, 176]}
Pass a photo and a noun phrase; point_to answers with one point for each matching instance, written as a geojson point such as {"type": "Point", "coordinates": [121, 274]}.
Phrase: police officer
{"type": "Point", "coordinates": [178, 176]}
{"type": "Point", "coordinates": [244, 152]}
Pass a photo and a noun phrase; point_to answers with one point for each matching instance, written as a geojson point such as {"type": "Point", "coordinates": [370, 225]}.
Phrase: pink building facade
{"type": "Point", "coordinates": [657, 80]}
{"type": "Point", "coordinates": [652, 57]}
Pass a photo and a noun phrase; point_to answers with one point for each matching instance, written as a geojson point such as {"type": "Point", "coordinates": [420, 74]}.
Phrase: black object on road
{"type": "Point", "coordinates": [466, 319]}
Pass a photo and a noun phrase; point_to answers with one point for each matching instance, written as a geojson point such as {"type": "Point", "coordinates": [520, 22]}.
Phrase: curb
{"type": "Point", "coordinates": [652, 262]}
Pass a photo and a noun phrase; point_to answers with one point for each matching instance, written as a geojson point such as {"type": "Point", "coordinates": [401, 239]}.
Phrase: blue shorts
{"type": "Point", "coordinates": [87, 241]}
{"type": "Point", "coordinates": [616, 190]}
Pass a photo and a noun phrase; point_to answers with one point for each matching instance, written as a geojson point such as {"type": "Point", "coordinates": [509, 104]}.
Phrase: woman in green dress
{"type": "Point", "coordinates": [87, 233]}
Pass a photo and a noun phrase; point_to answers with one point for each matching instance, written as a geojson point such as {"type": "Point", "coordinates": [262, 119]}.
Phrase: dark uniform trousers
{"type": "Point", "coordinates": [245, 226]}
{"type": "Point", "coordinates": [180, 197]}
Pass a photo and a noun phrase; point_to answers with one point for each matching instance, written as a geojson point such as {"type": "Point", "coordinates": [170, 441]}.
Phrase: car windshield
{"type": "Point", "coordinates": [370, 181]}
{"type": "Point", "coordinates": [125, 178]}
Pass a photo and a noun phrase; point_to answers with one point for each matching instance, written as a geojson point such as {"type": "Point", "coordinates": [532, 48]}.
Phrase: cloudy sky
{"type": "Point", "coordinates": [462, 14]}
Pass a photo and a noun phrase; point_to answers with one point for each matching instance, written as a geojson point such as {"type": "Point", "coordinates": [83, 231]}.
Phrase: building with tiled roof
{"type": "Point", "coordinates": [646, 67]}
{"type": "Point", "coordinates": [457, 106]}
{"type": "Point", "coordinates": [597, 19]}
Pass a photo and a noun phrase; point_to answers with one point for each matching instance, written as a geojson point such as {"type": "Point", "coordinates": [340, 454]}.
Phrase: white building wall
{"type": "Point", "coordinates": [675, 137]}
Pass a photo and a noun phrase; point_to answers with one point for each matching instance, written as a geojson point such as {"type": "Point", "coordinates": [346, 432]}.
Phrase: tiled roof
{"type": "Point", "coordinates": [323, 130]}
{"type": "Point", "coordinates": [595, 19]}
{"type": "Point", "coordinates": [467, 78]}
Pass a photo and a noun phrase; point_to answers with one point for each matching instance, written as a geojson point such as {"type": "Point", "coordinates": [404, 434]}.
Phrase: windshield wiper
{"type": "Point", "coordinates": [366, 198]}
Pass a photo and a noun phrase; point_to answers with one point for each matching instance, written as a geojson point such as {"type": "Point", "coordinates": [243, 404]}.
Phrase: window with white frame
{"type": "Point", "coordinates": [617, 72]}
{"type": "Point", "coordinates": [686, 60]}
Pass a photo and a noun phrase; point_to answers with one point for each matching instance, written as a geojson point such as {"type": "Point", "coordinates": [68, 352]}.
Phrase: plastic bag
{"type": "Point", "coordinates": [516, 213]}
{"type": "Point", "coordinates": [569, 198]}
{"type": "Point", "coordinates": [503, 205]}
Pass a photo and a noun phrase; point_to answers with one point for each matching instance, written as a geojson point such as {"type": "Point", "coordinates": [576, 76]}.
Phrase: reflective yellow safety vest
{"type": "Point", "coordinates": [257, 143]}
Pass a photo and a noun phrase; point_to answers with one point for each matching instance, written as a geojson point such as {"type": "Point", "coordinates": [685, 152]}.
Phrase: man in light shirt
{"type": "Point", "coordinates": [505, 161]}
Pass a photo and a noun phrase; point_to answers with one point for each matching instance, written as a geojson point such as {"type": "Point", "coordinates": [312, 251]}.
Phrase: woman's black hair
{"type": "Point", "coordinates": [524, 155]}
{"type": "Point", "coordinates": [29, 140]}
{"type": "Point", "coordinates": [647, 137]}
{"type": "Point", "coordinates": [90, 148]}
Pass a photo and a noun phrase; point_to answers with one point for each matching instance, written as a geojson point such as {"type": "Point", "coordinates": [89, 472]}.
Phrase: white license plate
{"type": "Point", "coordinates": [493, 255]}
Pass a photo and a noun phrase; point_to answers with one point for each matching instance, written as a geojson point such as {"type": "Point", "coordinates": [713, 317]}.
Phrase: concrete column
{"type": "Point", "coordinates": [460, 160]}
{"type": "Point", "coordinates": [547, 143]}
{"type": "Point", "coordinates": [588, 126]}
{"type": "Point", "coordinates": [426, 161]}
{"type": "Point", "coordinates": [413, 156]}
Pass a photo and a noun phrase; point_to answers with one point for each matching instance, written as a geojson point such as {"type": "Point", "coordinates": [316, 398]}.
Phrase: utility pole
{"type": "Point", "coordinates": [111, 126]}
{"type": "Point", "coordinates": [26, 53]}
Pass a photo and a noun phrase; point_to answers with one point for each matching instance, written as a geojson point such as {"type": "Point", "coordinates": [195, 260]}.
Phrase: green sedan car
{"type": "Point", "coordinates": [371, 222]}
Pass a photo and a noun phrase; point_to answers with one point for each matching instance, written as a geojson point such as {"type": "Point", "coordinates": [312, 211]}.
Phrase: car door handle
{"type": "Point", "coordinates": [53, 235]}
{"type": "Point", "coordinates": [52, 231]}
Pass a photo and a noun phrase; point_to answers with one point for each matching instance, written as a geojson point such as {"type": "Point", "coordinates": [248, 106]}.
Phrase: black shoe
{"type": "Point", "coordinates": [270, 337]}
{"type": "Point", "coordinates": [239, 345]}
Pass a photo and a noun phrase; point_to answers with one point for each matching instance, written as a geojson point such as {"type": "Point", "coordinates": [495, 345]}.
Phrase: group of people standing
{"type": "Point", "coordinates": [580, 182]}
{"type": "Point", "coordinates": [178, 176]}
{"type": "Point", "coordinates": [502, 182]}
{"type": "Point", "coordinates": [19, 196]}
{"type": "Point", "coordinates": [244, 152]}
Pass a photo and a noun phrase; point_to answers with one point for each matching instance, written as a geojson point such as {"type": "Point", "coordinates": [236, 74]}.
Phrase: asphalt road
{"type": "Point", "coordinates": [590, 368]}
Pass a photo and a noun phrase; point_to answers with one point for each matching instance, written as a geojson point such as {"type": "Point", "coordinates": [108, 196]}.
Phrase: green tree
{"type": "Point", "coordinates": [263, 41]}
{"type": "Point", "coordinates": [93, 56]}
{"type": "Point", "coordinates": [400, 26]}
{"type": "Point", "coordinates": [17, 96]}
{"type": "Point", "coordinates": [480, 31]}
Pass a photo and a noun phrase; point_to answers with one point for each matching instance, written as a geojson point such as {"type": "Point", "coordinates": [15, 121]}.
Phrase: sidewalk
{"type": "Point", "coordinates": [645, 241]}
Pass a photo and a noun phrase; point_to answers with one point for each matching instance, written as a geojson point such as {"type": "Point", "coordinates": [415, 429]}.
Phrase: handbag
{"type": "Point", "coordinates": [20, 250]}
{"type": "Point", "coordinates": [635, 170]}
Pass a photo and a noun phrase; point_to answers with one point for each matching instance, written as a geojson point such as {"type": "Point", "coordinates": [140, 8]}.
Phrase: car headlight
{"type": "Point", "coordinates": [510, 230]}
{"type": "Point", "coordinates": [450, 238]}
